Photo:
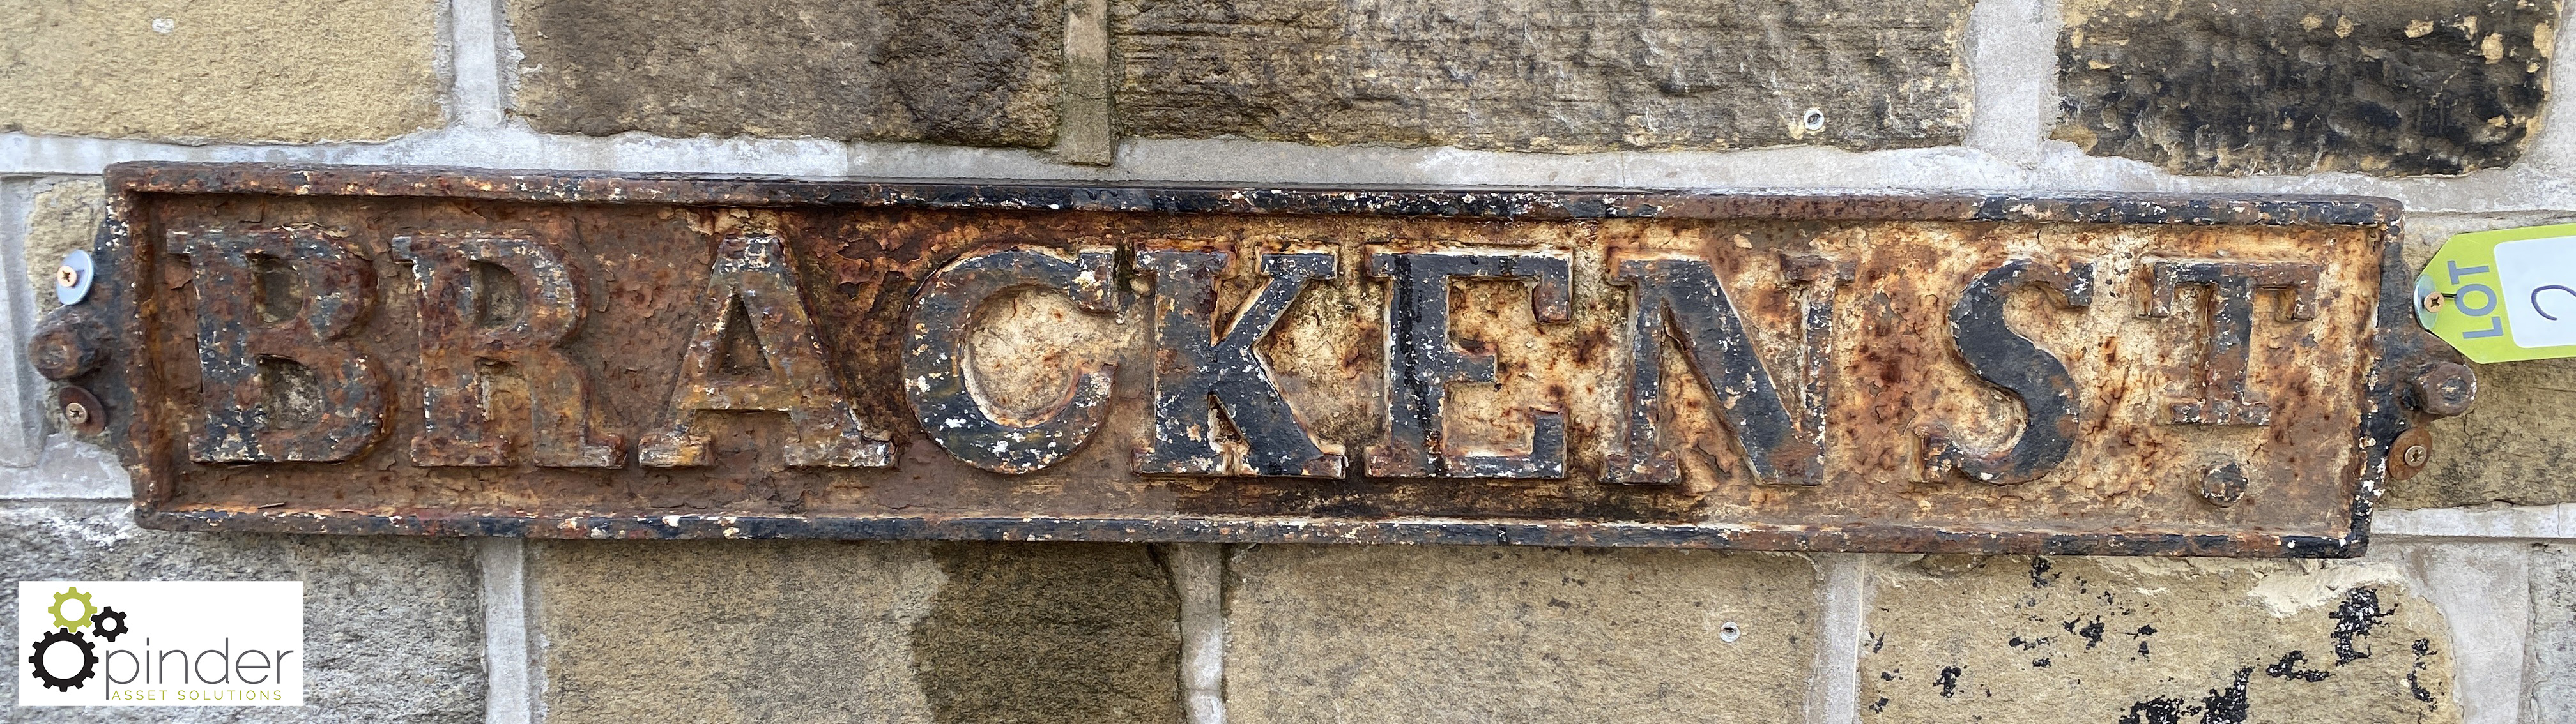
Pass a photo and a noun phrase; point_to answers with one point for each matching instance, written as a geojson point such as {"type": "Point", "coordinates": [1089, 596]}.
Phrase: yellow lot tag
{"type": "Point", "coordinates": [2503, 295]}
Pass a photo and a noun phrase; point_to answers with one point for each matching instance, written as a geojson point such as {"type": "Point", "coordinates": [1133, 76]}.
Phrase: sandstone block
{"type": "Point", "coordinates": [2139, 640]}
{"type": "Point", "coordinates": [2553, 628]}
{"type": "Point", "coordinates": [2302, 86]}
{"type": "Point", "coordinates": [62, 218]}
{"type": "Point", "coordinates": [392, 626]}
{"type": "Point", "coordinates": [978, 72]}
{"type": "Point", "coordinates": [724, 631]}
{"type": "Point", "coordinates": [1545, 75]}
{"type": "Point", "coordinates": [221, 70]}
{"type": "Point", "coordinates": [1484, 634]}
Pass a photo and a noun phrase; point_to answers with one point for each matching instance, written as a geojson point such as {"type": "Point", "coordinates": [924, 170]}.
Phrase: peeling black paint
{"type": "Point", "coordinates": [1949, 681]}
{"type": "Point", "coordinates": [2091, 632]}
{"type": "Point", "coordinates": [2423, 650]}
{"type": "Point", "coordinates": [2039, 575]}
{"type": "Point", "coordinates": [2229, 706]}
{"type": "Point", "coordinates": [2159, 710]}
{"type": "Point", "coordinates": [2353, 619]}
{"type": "Point", "coordinates": [2288, 668]}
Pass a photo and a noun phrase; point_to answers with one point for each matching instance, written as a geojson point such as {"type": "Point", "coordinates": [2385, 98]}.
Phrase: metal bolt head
{"type": "Point", "coordinates": [76, 413]}
{"type": "Point", "coordinates": [67, 277]}
{"type": "Point", "coordinates": [2223, 483]}
{"type": "Point", "coordinates": [2445, 389]}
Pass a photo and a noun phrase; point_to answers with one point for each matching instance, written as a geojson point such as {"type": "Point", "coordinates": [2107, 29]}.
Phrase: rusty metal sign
{"type": "Point", "coordinates": [457, 352]}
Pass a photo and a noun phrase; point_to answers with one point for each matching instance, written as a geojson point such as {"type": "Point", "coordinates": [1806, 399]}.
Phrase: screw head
{"type": "Point", "coordinates": [76, 413]}
{"type": "Point", "coordinates": [2415, 456]}
{"type": "Point", "coordinates": [66, 277]}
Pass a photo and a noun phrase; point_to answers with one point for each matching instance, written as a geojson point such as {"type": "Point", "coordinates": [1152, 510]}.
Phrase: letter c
{"type": "Point", "coordinates": [2535, 299]}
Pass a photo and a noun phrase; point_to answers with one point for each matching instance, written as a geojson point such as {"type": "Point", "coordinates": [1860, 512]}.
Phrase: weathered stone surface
{"type": "Point", "coordinates": [2511, 446]}
{"type": "Point", "coordinates": [2299, 86]}
{"type": "Point", "coordinates": [392, 625]}
{"type": "Point", "coordinates": [227, 70]}
{"type": "Point", "coordinates": [2151, 640]}
{"type": "Point", "coordinates": [2553, 628]}
{"type": "Point", "coordinates": [1545, 75]}
{"type": "Point", "coordinates": [63, 217]}
{"type": "Point", "coordinates": [1488, 634]}
{"type": "Point", "coordinates": [979, 72]}
{"type": "Point", "coordinates": [723, 631]}
{"type": "Point", "coordinates": [1031, 633]}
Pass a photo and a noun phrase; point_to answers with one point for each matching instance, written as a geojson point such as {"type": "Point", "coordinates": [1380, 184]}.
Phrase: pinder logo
{"type": "Point", "coordinates": [161, 643]}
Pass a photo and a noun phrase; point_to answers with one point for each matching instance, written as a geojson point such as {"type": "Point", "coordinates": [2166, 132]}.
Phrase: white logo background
{"type": "Point", "coordinates": [242, 641]}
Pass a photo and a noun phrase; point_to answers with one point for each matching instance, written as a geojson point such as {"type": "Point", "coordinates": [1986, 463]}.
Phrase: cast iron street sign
{"type": "Point", "coordinates": [460, 352]}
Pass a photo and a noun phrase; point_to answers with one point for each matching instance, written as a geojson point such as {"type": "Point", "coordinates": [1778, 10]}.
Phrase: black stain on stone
{"type": "Point", "coordinates": [2092, 632]}
{"type": "Point", "coordinates": [2155, 711]}
{"type": "Point", "coordinates": [2302, 86]}
{"type": "Point", "coordinates": [1879, 706]}
{"type": "Point", "coordinates": [1059, 632]}
{"type": "Point", "coordinates": [2039, 575]}
{"type": "Point", "coordinates": [1889, 675]}
{"type": "Point", "coordinates": [2041, 663]}
{"type": "Point", "coordinates": [2353, 619]}
{"type": "Point", "coordinates": [1949, 681]}
{"type": "Point", "coordinates": [2289, 668]}
{"type": "Point", "coordinates": [2423, 650]}
{"type": "Point", "coordinates": [2228, 706]}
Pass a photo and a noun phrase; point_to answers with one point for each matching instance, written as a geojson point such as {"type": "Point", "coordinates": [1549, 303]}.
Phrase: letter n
{"type": "Point", "coordinates": [1681, 299]}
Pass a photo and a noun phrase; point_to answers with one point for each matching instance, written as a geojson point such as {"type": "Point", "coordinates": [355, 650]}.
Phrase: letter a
{"type": "Point", "coordinates": [753, 271]}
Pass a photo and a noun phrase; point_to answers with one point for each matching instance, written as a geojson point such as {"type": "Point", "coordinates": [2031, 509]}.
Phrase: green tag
{"type": "Point", "coordinates": [2503, 295]}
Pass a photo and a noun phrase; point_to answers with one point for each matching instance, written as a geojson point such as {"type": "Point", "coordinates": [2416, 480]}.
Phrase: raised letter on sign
{"type": "Point", "coordinates": [2224, 398]}
{"type": "Point", "coordinates": [1194, 367]}
{"type": "Point", "coordinates": [1422, 361]}
{"type": "Point", "coordinates": [1682, 299]}
{"type": "Point", "coordinates": [462, 329]}
{"type": "Point", "coordinates": [2008, 360]}
{"type": "Point", "coordinates": [753, 285]}
{"type": "Point", "coordinates": [273, 310]}
{"type": "Point", "coordinates": [935, 358]}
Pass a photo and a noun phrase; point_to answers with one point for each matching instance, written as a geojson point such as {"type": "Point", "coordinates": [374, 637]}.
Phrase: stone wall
{"type": "Point", "coordinates": [2463, 611]}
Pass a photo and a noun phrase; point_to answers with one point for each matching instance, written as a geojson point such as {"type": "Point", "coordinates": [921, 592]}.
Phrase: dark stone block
{"type": "Point", "coordinates": [991, 633]}
{"type": "Point", "coordinates": [1035, 633]}
{"type": "Point", "coordinates": [1545, 75]}
{"type": "Point", "coordinates": [977, 72]}
{"type": "Point", "coordinates": [2282, 87]}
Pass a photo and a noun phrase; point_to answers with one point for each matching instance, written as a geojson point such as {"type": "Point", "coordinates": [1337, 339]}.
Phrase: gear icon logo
{"type": "Point", "coordinates": [98, 624]}
{"type": "Point", "coordinates": [69, 622]}
{"type": "Point", "coordinates": [89, 660]}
